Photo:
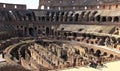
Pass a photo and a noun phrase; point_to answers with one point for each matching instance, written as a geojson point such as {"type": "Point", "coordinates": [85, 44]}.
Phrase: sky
{"type": "Point", "coordinates": [31, 4]}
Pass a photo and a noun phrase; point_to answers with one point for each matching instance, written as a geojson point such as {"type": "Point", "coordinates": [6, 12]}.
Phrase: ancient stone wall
{"type": "Point", "coordinates": [12, 6]}
{"type": "Point", "coordinates": [78, 4]}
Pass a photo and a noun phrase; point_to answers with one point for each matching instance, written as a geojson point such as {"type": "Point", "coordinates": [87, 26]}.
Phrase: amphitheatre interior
{"type": "Point", "coordinates": [59, 34]}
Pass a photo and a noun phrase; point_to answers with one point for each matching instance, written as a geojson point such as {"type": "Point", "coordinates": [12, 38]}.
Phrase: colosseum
{"type": "Point", "coordinates": [60, 34]}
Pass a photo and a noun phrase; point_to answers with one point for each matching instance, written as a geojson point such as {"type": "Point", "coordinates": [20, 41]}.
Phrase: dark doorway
{"type": "Point", "coordinates": [91, 51]}
{"type": "Point", "coordinates": [29, 17]}
{"type": "Point", "coordinates": [25, 32]}
{"type": "Point", "coordinates": [31, 32]}
{"type": "Point", "coordinates": [98, 18]}
{"type": "Point", "coordinates": [116, 19]}
{"type": "Point", "coordinates": [47, 31]}
{"type": "Point", "coordinates": [76, 17]}
{"type": "Point", "coordinates": [98, 53]}
{"type": "Point", "coordinates": [103, 19]}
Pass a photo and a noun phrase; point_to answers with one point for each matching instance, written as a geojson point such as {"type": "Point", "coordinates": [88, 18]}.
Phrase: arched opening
{"type": "Point", "coordinates": [75, 35]}
{"type": "Point", "coordinates": [29, 16]}
{"type": "Point", "coordinates": [47, 31]}
{"type": "Point", "coordinates": [92, 18]}
{"type": "Point", "coordinates": [77, 51]}
{"type": "Point", "coordinates": [87, 16]}
{"type": "Point", "coordinates": [82, 15]}
{"type": "Point", "coordinates": [66, 17]}
{"type": "Point", "coordinates": [111, 56]}
{"type": "Point", "coordinates": [52, 16]}
{"type": "Point", "coordinates": [47, 16]}
{"type": "Point", "coordinates": [65, 34]}
{"type": "Point", "coordinates": [43, 18]}
{"type": "Point", "coordinates": [70, 17]}
{"type": "Point", "coordinates": [76, 17]}
{"type": "Point", "coordinates": [105, 54]}
{"type": "Point", "coordinates": [98, 18]}
{"type": "Point", "coordinates": [61, 16]}
{"type": "Point", "coordinates": [91, 51]}
{"type": "Point", "coordinates": [69, 34]}
{"type": "Point", "coordinates": [116, 19]}
{"type": "Point", "coordinates": [25, 31]}
{"type": "Point", "coordinates": [103, 19]}
{"type": "Point", "coordinates": [31, 32]}
{"type": "Point", "coordinates": [57, 16]}
{"type": "Point", "coordinates": [110, 19]}
{"type": "Point", "coordinates": [98, 53]}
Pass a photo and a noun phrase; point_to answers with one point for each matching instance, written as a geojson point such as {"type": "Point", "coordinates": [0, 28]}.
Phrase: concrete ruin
{"type": "Point", "coordinates": [60, 33]}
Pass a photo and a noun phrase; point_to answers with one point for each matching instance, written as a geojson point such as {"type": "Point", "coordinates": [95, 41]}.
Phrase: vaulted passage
{"type": "Point", "coordinates": [47, 31]}
{"type": "Point", "coordinates": [31, 32]}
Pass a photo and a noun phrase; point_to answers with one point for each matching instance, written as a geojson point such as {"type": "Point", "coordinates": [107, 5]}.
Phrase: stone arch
{"type": "Point", "coordinates": [65, 34]}
{"type": "Point", "coordinates": [104, 19]}
{"type": "Point", "coordinates": [76, 17]}
{"type": "Point", "coordinates": [61, 16]}
{"type": "Point", "coordinates": [116, 19]}
{"type": "Point", "coordinates": [70, 16]}
{"type": "Point", "coordinates": [47, 30]}
{"type": "Point", "coordinates": [86, 49]}
{"type": "Point", "coordinates": [82, 15]}
{"type": "Point", "coordinates": [92, 51]}
{"type": "Point", "coordinates": [31, 32]}
{"type": "Point", "coordinates": [75, 35]}
{"type": "Point", "coordinates": [105, 54]}
{"type": "Point", "coordinates": [110, 19]}
{"type": "Point", "coordinates": [77, 51]}
{"type": "Point", "coordinates": [98, 18]}
{"type": "Point", "coordinates": [92, 18]}
{"type": "Point", "coordinates": [47, 16]}
{"type": "Point", "coordinates": [43, 18]}
{"type": "Point", "coordinates": [98, 53]}
{"type": "Point", "coordinates": [87, 16]}
{"type": "Point", "coordinates": [69, 34]}
{"type": "Point", "coordinates": [29, 15]}
{"type": "Point", "coordinates": [66, 16]}
{"type": "Point", "coordinates": [111, 56]}
{"type": "Point", "coordinates": [113, 40]}
{"type": "Point", "coordinates": [57, 16]}
{"type": "Point", "coordinates": [52, 16]}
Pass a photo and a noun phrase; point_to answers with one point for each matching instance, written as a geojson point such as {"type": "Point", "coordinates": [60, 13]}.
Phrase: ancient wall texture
{"type": "Point", "coordinates": [78, 4]}
{"type": "Point", "coordinates": [12, 6]}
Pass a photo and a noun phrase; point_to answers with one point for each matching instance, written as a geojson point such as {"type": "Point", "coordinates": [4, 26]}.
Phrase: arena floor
{"type": "Point", "coordinates": [112, 66]}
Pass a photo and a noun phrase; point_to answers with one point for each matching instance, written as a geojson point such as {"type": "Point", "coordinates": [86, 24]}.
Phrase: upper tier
{"type": "Point", "coordinates": [78, 4]}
